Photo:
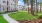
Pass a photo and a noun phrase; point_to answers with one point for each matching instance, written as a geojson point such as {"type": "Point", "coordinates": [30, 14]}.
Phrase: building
{"type": "Point", "coordinates": [3, 5]}
{"type": "Point", "coordinates": [20, 7]}
{"type": "Point", "coordinates": [8, 5]}
{"type": "Point", "coordinates": [12, 5]}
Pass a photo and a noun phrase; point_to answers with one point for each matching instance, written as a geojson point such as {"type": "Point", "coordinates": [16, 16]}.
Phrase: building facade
{"type": "Point", "coordinates": [3, 5]}
{"type": "Point", "coordinates": [8, 5]}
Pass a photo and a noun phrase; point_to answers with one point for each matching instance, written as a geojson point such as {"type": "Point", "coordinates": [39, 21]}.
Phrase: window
{"type": "Point", "coordinates": [0, 6]}
{"type": "Point", "coordinates": [7, 2]}
{"type": "Point", "coordinates": [13, 0]}
{"type": "Point", "coordinates": [11, 4]}
{"type": "Point", "coordinates": [4, 7]}
{"type": "Point", "coordinates": [4, 1]}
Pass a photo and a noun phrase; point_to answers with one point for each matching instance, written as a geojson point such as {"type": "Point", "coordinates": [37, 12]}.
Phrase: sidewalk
{"type": "Point", "coordinates": [10, 20]}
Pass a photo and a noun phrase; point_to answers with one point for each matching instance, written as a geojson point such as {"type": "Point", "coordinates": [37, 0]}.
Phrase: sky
{"type": "Point", "coordinates": [38, 0]}
{"type": "Point", "coordinates": [20, 2]}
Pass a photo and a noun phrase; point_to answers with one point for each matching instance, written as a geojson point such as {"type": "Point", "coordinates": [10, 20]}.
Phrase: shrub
{"type": "Point", "coordinates": [40, 17]}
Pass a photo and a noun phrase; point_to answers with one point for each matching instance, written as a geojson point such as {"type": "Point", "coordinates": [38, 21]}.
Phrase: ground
{"type": "Point", "coordinates": [25, 17]}
{"type": "Point", "coordinates": [22, 16]}
{"type": "Point", "coordinates": [2, 20]}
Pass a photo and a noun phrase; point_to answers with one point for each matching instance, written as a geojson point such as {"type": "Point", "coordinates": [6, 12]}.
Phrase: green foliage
{"type": "Point", "coordinates": [22, 16]}
{"type": "Point", "coordinates": [25, 1]}
{"type": "Point", "coordinates": [40, 17]}
{"type": "Point", "coordinates": [40, 3]}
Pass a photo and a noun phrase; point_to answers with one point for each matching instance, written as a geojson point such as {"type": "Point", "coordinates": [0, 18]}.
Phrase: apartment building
{"type": "Point", "coordinates": [12, 5]}
{"type": "Point", "coordinates": [3, 5]}
{"type": "Point", "coordinates": [8, 5]}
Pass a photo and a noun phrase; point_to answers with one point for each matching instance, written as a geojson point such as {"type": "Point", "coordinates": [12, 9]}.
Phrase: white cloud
{"type": "Point", "coordinates": [20, 3]}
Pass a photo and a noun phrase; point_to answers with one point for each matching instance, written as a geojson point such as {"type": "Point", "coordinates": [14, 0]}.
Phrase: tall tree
{"type": "Point", "coordinates": [36, 6]}
{"type": "Point", "coordinates": [40, 7]}
{"type": "Point", "coordinates": [32, 11]}
{"type": "Point", "coordinates": [31, 1]}
{"type": "Point", "coordinates": [40, 4]}
{"type": "Point", "coordinates": [27, 3]}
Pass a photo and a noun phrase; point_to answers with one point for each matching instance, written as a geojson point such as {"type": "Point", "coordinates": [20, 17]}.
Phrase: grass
{"type": "Point", "coordinates": [22, 16]}
{"type": "Point", "coordinates": [39, 13]}
{"type": "Point", "coordinates": [2, 20]}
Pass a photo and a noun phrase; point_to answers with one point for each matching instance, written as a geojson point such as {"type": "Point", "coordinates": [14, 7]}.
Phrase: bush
{"type": "Point", "coordinates": [0, 12]}
{"type": "Point", "coordinates": [40, 17]}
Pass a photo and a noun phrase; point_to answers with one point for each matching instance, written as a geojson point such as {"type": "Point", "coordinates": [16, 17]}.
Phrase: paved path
{"type": "Point", "coordinates": [10, 20]}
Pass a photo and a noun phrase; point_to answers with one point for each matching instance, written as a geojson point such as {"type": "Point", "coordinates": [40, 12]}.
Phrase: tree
{"type": "Point", "coordinates": [32, 11]}
{"type": "Point", "coordinates": [40, 4]}
{"type": "Point", "coordinates": [27, 3]}
{"type": "Point", "coordinates": [36, 6]}
{"type": "Point", "coordinates": [31, 1]}
{"type": "Point", "coordinates": [40, 7]}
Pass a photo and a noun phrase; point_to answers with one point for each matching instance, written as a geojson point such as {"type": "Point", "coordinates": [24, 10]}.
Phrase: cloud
{"type": "Point", "coordinates": [20, 3]}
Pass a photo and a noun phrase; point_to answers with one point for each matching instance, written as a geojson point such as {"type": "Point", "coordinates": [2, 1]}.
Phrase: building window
{"type": "Point", "coordinates": [7, 2]}
{"type": "Point", "coordinates": [4, 7]}
{"type": "Point", "coordinates": [4, 1]}
{"type": "Point", "coordinates": [0, 6]}
{"type": "Point", "coordinates": [11, 4]}
{"type": "Point", "coordinates": [13, 0]}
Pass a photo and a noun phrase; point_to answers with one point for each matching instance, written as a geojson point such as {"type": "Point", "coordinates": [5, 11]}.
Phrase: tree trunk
{"type": "Point", "coordinates": [32, 12]}
{"type": "Point", "coordinates": [36, 7]}
{"type": "Point", "coordinates": [28, 7]}
{"type": "Point", "coordinates": [40, 8]}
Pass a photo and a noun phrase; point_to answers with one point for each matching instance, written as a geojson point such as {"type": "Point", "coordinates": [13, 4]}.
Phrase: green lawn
{"type": "Point", "coordinates": [22, 16]}
{"type": "Point", "coordinates": [2, 20]}
{"type": "Point", "coordinates": [40, 13]}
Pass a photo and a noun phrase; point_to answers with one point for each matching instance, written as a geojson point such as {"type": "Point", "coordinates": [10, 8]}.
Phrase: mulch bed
{"type": "Point", "coordinates": [31, 21]}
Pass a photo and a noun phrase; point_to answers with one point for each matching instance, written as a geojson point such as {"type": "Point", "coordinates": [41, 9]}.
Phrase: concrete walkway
{"type": "Point", "coordinates": [10, 20]}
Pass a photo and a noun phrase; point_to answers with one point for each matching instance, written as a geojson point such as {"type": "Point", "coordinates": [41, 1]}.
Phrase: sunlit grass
{"type": "Point", "coordinates": [2, 20]}
{"type": "Point", "coordinates": [22, 16]}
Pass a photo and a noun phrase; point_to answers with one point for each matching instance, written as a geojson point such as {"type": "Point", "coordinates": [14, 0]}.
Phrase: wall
{"type": "Point", "coordinates": [11, 5]}
{"type": "Point", "coordinates": [3, 5]}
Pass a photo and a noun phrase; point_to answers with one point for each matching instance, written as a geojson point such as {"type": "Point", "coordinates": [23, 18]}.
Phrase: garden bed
{"type": "Point", "coordinates": [31, 21]}
{"type": "Point", "coordinates": [38, 20]}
